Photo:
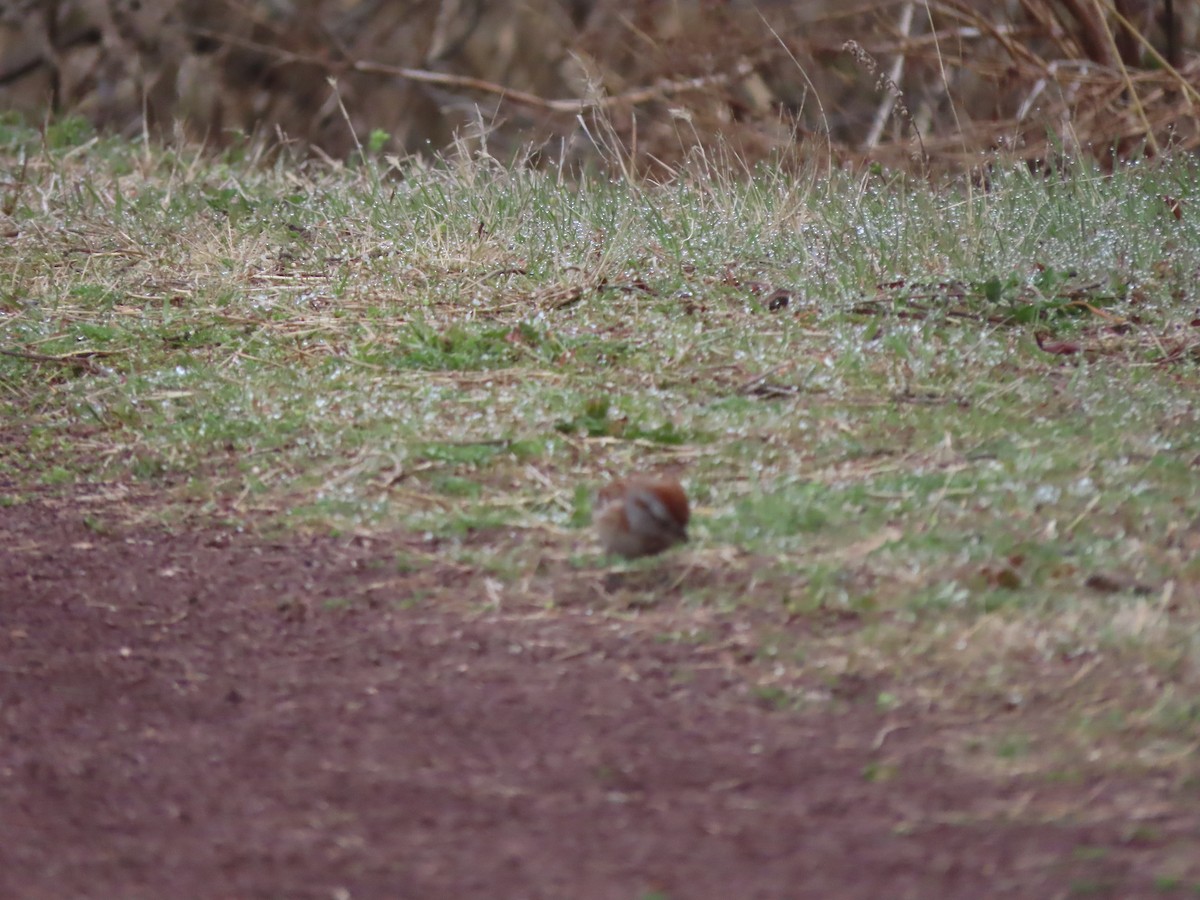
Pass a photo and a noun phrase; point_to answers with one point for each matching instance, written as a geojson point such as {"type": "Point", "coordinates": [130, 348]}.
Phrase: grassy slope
{"type": "Point", "coordinates": [893, 481]}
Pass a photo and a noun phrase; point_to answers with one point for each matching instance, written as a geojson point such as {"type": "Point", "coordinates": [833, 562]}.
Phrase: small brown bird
{"type": "Point", "coordinates": [641, 516]}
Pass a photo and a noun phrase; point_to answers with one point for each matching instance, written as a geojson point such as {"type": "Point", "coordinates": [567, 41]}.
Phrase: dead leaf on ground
{"type": "Point", "coordinates": [1056, 347]}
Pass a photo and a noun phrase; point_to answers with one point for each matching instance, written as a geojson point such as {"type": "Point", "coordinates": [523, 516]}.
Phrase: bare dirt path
{"type": "Point", "coordinates": [201, 715]}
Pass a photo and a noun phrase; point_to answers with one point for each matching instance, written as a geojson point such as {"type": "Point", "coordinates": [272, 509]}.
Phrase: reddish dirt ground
{"type": "Point", "coordinates": [200, 714]}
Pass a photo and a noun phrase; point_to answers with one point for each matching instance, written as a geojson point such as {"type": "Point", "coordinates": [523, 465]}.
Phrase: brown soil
{"type": "Point", "coordinates": [201, 714]}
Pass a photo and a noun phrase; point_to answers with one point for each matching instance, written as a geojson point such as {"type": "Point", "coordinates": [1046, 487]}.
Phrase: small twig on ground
{"type": "Point", "coordinates": [754, 382]}
{"type": "Point", "coordinates": [80, 359]}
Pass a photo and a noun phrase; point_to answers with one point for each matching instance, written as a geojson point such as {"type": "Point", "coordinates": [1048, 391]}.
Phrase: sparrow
{"type": "Point", "coordinates": [641, 516]}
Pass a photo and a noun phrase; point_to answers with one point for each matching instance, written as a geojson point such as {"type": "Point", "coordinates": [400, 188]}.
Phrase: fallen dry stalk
{"type": "Point", "coordinates": [566, 106]}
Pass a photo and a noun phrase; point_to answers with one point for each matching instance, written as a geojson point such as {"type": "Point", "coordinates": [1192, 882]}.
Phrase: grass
{"type": "Point", "coordinates": [892, 479]}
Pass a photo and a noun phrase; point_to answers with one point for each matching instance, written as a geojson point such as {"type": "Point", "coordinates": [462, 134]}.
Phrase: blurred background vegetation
{"type": "Point", "coordinates": [945, 83]}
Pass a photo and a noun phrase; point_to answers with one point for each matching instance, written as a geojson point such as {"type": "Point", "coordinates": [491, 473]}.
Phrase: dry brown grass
{"type": "Point", "coordinates": [1033, 78]}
